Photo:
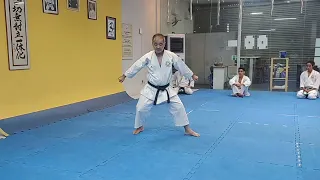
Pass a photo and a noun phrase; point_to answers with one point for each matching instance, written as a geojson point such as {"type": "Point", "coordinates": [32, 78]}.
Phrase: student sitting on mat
{"type": "Point", "coordinates": [181, 84]}
{"type": "Point", "coordinates": [309, 83]}
{"type": "Point", "coordinates": [240, 84]}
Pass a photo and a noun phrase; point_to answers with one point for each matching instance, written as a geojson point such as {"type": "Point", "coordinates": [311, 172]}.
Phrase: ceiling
{"type": "Point", "coordinates": [213, 1]}
{"type": "Point", "coordinates": [236, 1]}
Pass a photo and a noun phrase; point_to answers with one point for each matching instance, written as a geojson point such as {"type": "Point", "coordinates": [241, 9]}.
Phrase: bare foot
{"type": "Point", "coordinates": [190, 132]}
{"type": "Point", "coordinates": [3, 133]}
{"type": "Point", "coordinates": [138, 130]}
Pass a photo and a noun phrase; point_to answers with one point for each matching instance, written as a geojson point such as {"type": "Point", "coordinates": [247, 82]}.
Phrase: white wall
{"type": "Point", "coordinates": [179, 7]}
{"type": "Point", "coordinates": [142, 14]}
{"type": "Point", "coordinates": [151, 17]}
{"type": "Point", "coordinates": [206, 48]}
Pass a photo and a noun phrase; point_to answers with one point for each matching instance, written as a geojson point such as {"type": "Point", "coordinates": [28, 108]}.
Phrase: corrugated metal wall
{"type": "Point", "coordinates": [296, 36]}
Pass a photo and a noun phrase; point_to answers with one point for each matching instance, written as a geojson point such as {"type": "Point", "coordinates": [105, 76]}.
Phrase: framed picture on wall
{"type": "Point", "coordinates": [17, 34]}
{"type": "Point", "coordinates": [73, 5]}
{"type": "Point", "coordinates": [50, 6]}
{"type": "Point", "coordinates": [111, 28]}
{"type": "Point", "coordinates": [92, 9]}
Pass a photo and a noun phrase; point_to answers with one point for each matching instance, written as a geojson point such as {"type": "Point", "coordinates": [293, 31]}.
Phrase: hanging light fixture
{"type": "Point", "coordinates": [210, 16]}
{"type": "Point", "coordinates": [218, 15]}
{"type": "Point", "coordinates": [239, 33]}
{"type": "Point", "coordinates": [272, 4]}
{"type": "Point", "coordinates": [191, 14]}
{"type": "Point", "coordinates": [168, 12]}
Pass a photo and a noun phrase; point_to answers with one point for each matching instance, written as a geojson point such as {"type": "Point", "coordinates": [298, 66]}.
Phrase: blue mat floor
{"type": "Point", "coordinates": [268, 136]}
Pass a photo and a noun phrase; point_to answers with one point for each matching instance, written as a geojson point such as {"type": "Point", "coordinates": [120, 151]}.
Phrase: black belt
{"type": "Point", "coordinates": [160, 88]}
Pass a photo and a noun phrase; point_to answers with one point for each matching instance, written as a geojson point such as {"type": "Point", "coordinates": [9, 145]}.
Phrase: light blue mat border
{"type": "Point", "coordinates": [41, 118]}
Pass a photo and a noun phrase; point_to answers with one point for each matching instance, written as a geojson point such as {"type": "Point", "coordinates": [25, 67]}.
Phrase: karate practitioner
{"type": "Point", "coordinates": [309, 83]}
{"type": "Point", "coordinates": [181, 84]}
{"type": "Point", "coordinates": [159, 63]}
{"type": "Point", "coordinates": [240, 84]}
{"type": "Point", "coordinates": [3, 134]}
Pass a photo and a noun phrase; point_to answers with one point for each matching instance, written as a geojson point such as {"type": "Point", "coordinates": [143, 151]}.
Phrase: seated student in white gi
{"type": "Point", "coordinates": [240, 84]}
{"type": "Point", "coordinates": [309, 83]}
{"type": "Point", "coordinates": [159, 63]}
{"type": "Point", "coordinates": [181, 84]}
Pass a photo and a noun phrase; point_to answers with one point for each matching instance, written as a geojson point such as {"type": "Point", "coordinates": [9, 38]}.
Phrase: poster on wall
{"type": "Point", "coordinates": [317, 42]}
{"type": "Point", "coordinates": [111, 28]}
{"type": "Point", "coordinates": [92, 9]}
{"type": "Point", "coordinates": [50, 6]}
{"type": "Point", "coordinates": [262, 42]}
{"type": "Point", "coordinates": [249, 42]}
{"type": "Point", "coordinates": [73, 5]}
{"type": "Point", "coordinates": [17, 34]}
{"type": "Point", "coordinates": [127, 42]}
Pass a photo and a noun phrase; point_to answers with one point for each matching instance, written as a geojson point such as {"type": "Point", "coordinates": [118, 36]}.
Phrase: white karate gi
{"type": "Point", "coordinates": [179, 81]}
{"type": "Point", "coordinates": [244, 89]}
{"type": "Point", "coordinates": [159, 76]}
{"type": "Point", "coordinates": [313, 81]}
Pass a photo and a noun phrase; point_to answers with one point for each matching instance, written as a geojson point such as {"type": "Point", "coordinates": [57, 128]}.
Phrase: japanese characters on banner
{"type": "Point", "coordinates": [17, 34]}
{"type": "Point", "coordinates": [127, 44]}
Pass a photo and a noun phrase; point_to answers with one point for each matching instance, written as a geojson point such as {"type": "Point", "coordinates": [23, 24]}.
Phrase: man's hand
{"type": "Point", "coordinates": [195, 77]}
{"type": "Point", "coordinates": [122, 78]}
{"type": "Point", "coordinates": [305, 90]}
{"type": "Point", "coordinates": [237, 84]}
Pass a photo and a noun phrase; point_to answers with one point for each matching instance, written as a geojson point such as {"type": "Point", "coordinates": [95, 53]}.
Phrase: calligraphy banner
{"type": "Point", "coordinates": [17, 34]}
{"type": "Point", "coordinates": [127, 43]}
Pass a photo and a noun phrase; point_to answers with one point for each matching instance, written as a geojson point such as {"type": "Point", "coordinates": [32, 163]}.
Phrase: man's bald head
{"type": "Point", "coordinates": [158, 36]}
{"type": "Point", "coordinates": [158, 42]}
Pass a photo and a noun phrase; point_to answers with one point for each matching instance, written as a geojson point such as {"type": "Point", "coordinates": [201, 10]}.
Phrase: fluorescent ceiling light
{"type": "Point", "coordinates": [267, 30]}
{"type": "Point", "coordinates": [256, 13]}
{"type": "Point", "coordinates": [281, 19]}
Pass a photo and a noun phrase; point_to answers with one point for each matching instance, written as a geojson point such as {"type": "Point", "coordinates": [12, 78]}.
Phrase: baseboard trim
{"type": "Point", "coordinates": [33, 120]}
